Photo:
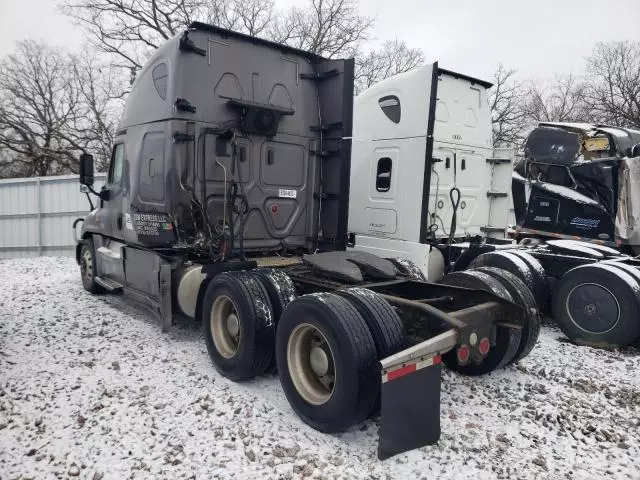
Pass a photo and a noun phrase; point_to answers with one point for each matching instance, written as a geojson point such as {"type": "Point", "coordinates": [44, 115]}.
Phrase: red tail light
{"type": "Point", "coordinates": [484, 345]}
{"type": "Point", "coordinates": [463, 353]}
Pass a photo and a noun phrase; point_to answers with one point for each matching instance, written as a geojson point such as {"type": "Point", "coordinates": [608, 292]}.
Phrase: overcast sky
{"type": "Point", "coordinates": [539, 38]}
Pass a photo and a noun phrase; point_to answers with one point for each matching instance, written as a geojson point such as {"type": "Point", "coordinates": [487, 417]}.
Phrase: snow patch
{"type": "Point", "coordinates": [91, 387]}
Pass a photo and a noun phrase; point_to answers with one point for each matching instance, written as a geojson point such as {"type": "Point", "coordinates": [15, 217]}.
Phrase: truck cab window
{"type": "Point", "coordinates": [160, 76]}
{"type": "Point", "coordinates": [390, 105]}
{"type": "Point", "coordinates": [383, 175]}
{"type": "Point", "coordinates": [117, 162]}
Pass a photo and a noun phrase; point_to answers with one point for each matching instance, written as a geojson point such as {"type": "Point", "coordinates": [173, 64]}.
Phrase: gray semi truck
{"type": "Point", "coordinates": [227, 201]}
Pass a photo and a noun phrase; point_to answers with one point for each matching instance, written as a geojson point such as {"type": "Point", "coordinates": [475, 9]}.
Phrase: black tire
{"type": "Point", "coordinates": [540, 291]}
{"type": "Point", "coordinates": [384, 323]}
{"type": "Point", "coordinates": [280, 288]}
{"type": "Point", "coordinates": [598, 305]}
{"type": "Point", "coordinates": [408, 268]}
{"type": "Point", "coordinates": [88, 270]}
{"type": "Point", "coordinates": [510, 263]}
{"type": "Point", "coordinates": [357, 380]}
{"type": "Point", "coordinates": [255, 347]}
{"type": "Point", "coordinates": [507, 339]}
{"type": "Point", "coordinates": [522, 296]}
{"type": "Point", "coordinates": [630, 269]}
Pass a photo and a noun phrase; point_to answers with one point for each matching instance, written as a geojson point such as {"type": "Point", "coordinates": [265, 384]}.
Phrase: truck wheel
{"type": "Point", "coordinates": [598, 305]}
{"type": "Point", "coordinates": [238, 324]}
{"type": "Point", "coordinates": [88, 270]}
{"type": "Point", "coordinates": [326, 360]}
{"type": "Point", "coordinates": [630, 269]}
{"type": "Point", "coordinates": [507, 339]}
{"type": "Point", "coordinates": [280, 288]}
{"type": "Point", "coordinates": [523, 297]}
{"type": "Point", "coordinates": [510, 263]}
{"type": "Point", "coordinates": [408, 268]}
{"type": "Point", "coordinates": [384, 323]}
{"type": "Point", "coordinates": [540, 284]}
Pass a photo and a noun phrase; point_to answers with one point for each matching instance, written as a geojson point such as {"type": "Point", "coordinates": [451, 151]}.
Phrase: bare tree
{"type": "Point", "coordinates": [505, 100]}
{"type": "Point", "coordinates": [559, 100]}
{"type": "Point", "coordinates": [392, 58]}
{"type": "Point", "coordinates": [326, 27]}
{"type": "Point", "coordinates": [251, 17]}
{"type": "Point", "coordinates": [52, 107]}
{"type": "Point", "coordinates": [101, 104]}
{"type": "Point", "coordinates": [37, 99]}
{"type": "Point", "coordinates": [131, 29]}
{"type": "Point", "coordinates": [613, 93]}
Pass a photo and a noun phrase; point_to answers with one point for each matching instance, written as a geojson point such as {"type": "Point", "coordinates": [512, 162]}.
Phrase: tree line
{"type": "Point", "coordinates": [608, 93]}
{"type": "Point", "coordinates": [55, 104]}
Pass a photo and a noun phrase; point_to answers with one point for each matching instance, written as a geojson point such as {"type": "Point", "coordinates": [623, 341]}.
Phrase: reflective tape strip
{"type": "Point", "coordinates": [408, 368]}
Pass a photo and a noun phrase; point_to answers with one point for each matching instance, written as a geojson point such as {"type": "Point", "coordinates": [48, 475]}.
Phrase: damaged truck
{"type": "Point", "coordinates": [227, 201]}
{"type": "Point", "coordinates": [582, 182]}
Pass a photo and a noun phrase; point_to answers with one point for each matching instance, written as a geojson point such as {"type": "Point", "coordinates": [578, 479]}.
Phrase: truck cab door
{"type": "Point", "coordinates": [391, 155]}
{"type": "Point", "coordinates": [110, 218]}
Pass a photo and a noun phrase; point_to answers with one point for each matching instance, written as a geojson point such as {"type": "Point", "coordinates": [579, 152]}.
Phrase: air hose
{"type": "Point", "coordinates": [454, 216]}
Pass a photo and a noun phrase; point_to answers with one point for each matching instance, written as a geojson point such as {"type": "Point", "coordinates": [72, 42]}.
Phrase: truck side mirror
{"type": "Point", "coordinates": [86, 169]}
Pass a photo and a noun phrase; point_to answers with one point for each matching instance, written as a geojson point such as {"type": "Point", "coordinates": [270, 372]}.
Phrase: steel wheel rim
{"type": "Point", "coordinates": [225, 326]}
{"type": "Point", "coordinates": [587, 303]}
{"type": "Point", "coordinates": [311, 364]}
{"type": "Point", "coordinates": [86, 265]}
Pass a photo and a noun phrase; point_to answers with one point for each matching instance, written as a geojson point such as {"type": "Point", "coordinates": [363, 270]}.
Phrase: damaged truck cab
{"type": "Point", "coordinates": [227, 202]}
{"type": "Point", "coordinates": [578, 181]}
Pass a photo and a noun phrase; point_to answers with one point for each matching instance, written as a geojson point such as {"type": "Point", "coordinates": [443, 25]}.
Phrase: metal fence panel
{"type": "Point", "coordinates": [36, 214]}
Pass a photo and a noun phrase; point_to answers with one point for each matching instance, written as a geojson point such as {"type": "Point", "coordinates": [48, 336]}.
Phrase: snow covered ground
{"type": "Point", "coordinates": [91, 388]}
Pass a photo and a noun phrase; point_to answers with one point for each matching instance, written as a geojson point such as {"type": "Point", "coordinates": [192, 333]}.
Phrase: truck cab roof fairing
{"type": "Point", "coordinates": [205, 27]}
{"type": "Point", "coordinates": [478, 81]}
{"type": "Point", "coordinates": [205, 43]}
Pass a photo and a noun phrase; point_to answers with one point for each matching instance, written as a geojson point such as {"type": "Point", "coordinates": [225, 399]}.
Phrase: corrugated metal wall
{"type": "Point", "coordinates": [36, 214]}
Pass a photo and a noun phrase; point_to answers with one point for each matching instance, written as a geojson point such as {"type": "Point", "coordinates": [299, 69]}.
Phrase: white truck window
{"type": "Point", "coordinates": [383, 174]}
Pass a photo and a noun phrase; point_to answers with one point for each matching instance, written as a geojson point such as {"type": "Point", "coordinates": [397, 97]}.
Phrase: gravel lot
{"type": "Point", "coordinates": [90, 388]}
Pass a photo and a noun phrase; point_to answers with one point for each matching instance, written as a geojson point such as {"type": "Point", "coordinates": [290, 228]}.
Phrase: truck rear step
{"type": "Point", "coordinates": [109, 285]}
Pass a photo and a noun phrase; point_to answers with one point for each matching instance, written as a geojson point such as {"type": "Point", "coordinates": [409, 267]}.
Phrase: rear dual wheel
{"type": "Point", "coordinates": [507, 341]}
{"type": "Point", "coordinates": [521, 295]}
{"type": "Point", "coordinates": [239, 325]}
{"type": "Point", "coordinates": [326, 359]}
{"type": "Point", "coordinates": [241, 312]}
{"type": "Point", "coordinates": [326, 346]}
{"type": "Point", "coordinates": [599, 304]}
{"type": "Point", "coordinates": [524, 266]}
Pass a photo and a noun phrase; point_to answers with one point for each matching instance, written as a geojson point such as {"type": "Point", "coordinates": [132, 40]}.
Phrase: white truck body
{"type": "Point", "coordinates": [415, 137]}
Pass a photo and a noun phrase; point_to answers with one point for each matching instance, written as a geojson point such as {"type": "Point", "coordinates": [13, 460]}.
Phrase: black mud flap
{"type": "Point", "coordinates": [410, 407]}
